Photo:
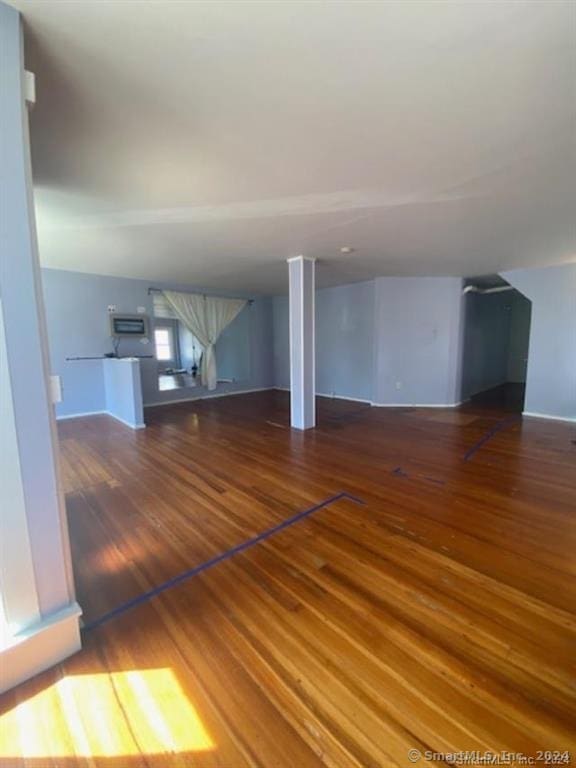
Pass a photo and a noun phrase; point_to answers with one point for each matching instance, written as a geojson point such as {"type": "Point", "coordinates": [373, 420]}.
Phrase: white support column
{"type": "Point", "coordinates": [302, 343]}
{"type": "Point", "coordinates": [39, 619]}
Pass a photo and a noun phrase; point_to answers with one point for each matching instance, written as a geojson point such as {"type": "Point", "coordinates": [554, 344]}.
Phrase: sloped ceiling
{"type": "Point", "coordinates": [207, 142]}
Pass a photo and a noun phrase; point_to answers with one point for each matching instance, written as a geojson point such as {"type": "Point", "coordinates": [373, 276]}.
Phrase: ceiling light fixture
{"type": "Point", "coordinates": [347, 249]}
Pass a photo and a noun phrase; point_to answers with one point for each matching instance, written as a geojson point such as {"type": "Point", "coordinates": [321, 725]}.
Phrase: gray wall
{"type": "Point", "coordinates": [281, 342]}
{"type": "Point", "coordinates": [344, 341]}
{"type": "Point", "coordinates": [551, 376]}
{"type": "Point", "coordinates": [486, 342]}
{"type": "Point", "coordinates": [371, 335]}
{"type": "Point", "coordinates": [418, 330]}
{"type": "Point", "coordinates": [495, 340]}
{"type": "Point", "coordinates": [234, 345]}
{"type": "Point", "coordinates": [77, 316]}
{"type": "Point", "coordinates": [520, 319]}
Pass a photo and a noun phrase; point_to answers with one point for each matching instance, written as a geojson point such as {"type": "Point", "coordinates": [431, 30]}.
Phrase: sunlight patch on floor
{"type": "Point", "coordinates": [105, 715]}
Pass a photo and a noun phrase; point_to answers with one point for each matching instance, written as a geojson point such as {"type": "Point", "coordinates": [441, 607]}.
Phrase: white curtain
{"type": "Point", "coordinates": [206, 317]}
{"type": "Point", "coordinates": [161, 308]}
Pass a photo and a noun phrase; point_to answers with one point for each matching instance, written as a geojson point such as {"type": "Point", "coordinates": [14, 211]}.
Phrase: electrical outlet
{"type": "Point", "coordinates": [111, 307]}
{"type": "Point", "coordinates": [398, 385]}
{"type": "Point", "coordinates": [141, 310]}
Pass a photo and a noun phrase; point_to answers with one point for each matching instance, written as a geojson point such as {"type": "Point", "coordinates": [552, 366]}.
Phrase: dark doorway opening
{"type": "Point", "coordinates": [496, 340]}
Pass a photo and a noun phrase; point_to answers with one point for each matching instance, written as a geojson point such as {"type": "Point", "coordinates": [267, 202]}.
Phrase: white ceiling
{"type": "Point", "coordinates": [207, 142]}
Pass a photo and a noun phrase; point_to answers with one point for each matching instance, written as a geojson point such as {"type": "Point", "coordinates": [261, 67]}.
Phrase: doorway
{"type": "Point", "coordinates": [496, 342]}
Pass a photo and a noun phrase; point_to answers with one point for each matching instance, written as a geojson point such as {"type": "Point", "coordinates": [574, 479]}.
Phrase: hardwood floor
{"type": "Point", "coordinates": [438, 615]}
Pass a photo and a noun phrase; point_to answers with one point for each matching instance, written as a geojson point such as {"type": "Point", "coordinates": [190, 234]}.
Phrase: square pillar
{"type": "Point", "coordinates": [302, 348]}
{"type": "Point", "coordinates": [39, 619]}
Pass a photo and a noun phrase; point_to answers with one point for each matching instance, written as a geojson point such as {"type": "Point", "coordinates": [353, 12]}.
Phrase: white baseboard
{"type": "Point", "coordinates": [100, 413]}
{"type": "Point", "coordinates": [344, 397]}
{"type": "Point", "coordinates": [206, 397]}
{"type": "Point", "coordinates": [417, 405]}
{"type": "Point", "coordinates": [281, 389]}
{"type": "Point", "coordinates": [140, 425]}
{"type": "Point", "coordinates": [569, 419]}
{"type": "Point", "coordinates": [332, 397]}
{"type": "Point", "coordinates": [81, 415]}
{"type": "Point", "coordinates": [41, 646]}
{"type": "Point", "coordinates": [382, 405]}
{"type": "Point", "coordinates": [160, 403]}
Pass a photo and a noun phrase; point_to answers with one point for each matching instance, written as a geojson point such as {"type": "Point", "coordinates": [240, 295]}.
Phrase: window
{"type": "Point", "coordinates": [164, 341]}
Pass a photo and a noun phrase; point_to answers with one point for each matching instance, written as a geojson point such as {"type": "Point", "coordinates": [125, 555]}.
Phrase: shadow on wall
{"type": "Point", "coordinates": [496, 338]}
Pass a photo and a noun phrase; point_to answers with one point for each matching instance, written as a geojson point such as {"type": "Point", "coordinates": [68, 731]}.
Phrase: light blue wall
{"type": "Point", "coordinates": [551, 376]}
{"type": "Point", "coordinates": [281, 336]}
{"type": "Point", "coordinates": [418, 347]}
{"type": "Point", "coordinates": [234, 347]}
{"type": "Point", "coordinates": [371, 335]}
{"type": "Point", "coordinates": [77, 316]}
{"type": "Point", "coordinates": [344, 341]}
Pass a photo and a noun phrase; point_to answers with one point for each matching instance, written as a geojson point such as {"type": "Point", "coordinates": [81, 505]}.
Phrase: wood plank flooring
{"type": "Point", "coordinates": [439, 616]}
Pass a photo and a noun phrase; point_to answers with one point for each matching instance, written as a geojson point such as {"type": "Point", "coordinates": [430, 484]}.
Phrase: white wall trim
{"type": "Point", "coordinates": [381, 405]}
{"type": "Point", "coordinates": [29, 88]}
{"type": "Point", "coordinates": [40, 646]}
{"type": "Point", "coordinates": [283, 389]}
{"type": "Point", "coordinates": [329, 396]}
{"type": "Point", "coordinates": [207, 397]}
{"type": "Point", "coordinates": [569, 419]}
{"type": "Point", "coordinates": [301, 258]}
{"type": "Point", "coordinates": [344, 397]}
{"type": "Point", "coordinates": [100, 413]}
{"type": "Point", "coordinates": [139, 425]}
{"type": "Point", "coordinates": [163, 402]}
{"type": "Point", "coordinates": [80, 415]}
{"type": "Point", "coordinates": [417, 405]}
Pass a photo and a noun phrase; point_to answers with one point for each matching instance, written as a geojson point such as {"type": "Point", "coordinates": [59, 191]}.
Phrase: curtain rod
{"type": "Point", "coordinates": [159, 290]}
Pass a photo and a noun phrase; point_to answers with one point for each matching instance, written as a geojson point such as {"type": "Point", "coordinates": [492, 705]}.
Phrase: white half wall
{"type": "Point", "coordinates": [123, 389]}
